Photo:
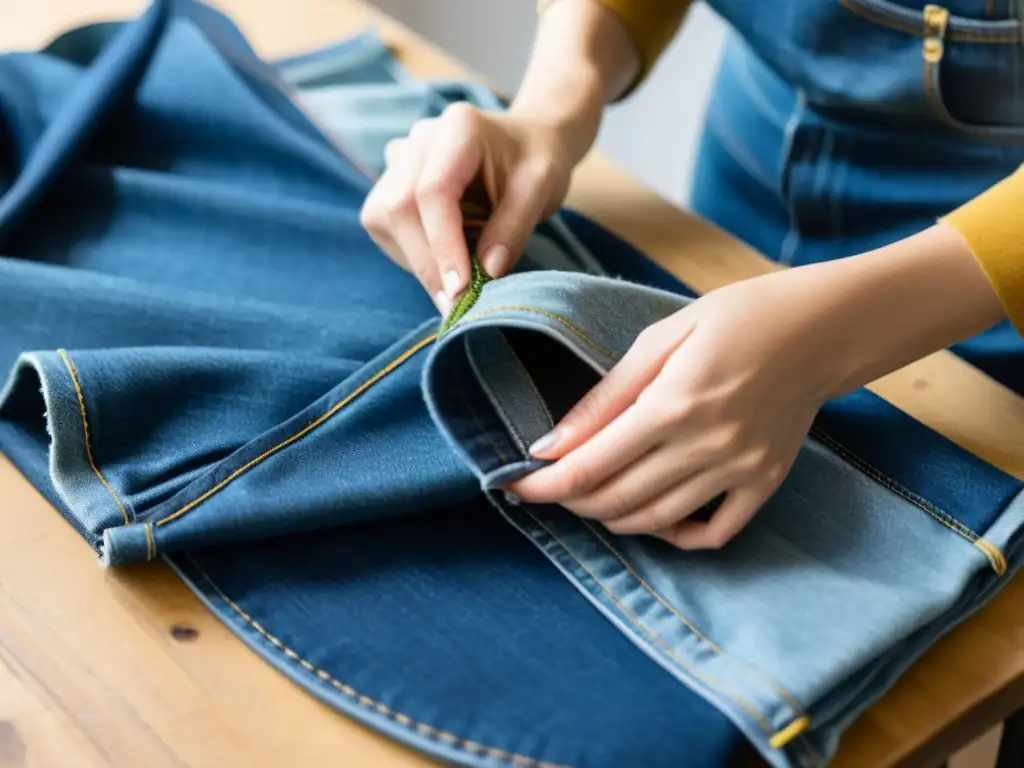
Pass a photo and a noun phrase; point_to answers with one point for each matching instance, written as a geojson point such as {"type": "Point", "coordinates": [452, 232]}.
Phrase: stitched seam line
{"type": "Point", "coordinates": [789, 698]}
{"type": "Point", "coordinates": [557, 318]}
{"type": "Point", "coordinates": [421, 728]}
{"type": "Point", "coordinates": [939, 111]}
{"type": "Point", "coordinates": [942, 516]}
{"type": "Point", "coordinates": [994, 555]}
{"type": "Point", "coordinates": [302, 432]}
{"type": "Point", "coordinates": [479, 425]}
{"type": "Point", "coordinates": [655, 637]}
{"type": "Point", "coordinates": [85, 429]}
{"type": "Point", "coordinates": [954, 33]}
{"type": "Point", "coordinates": [531, 382]}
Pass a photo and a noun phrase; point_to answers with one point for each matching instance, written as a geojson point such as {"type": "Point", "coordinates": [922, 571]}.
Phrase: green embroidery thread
{"type": "Point", "coordinates": [478, 278]}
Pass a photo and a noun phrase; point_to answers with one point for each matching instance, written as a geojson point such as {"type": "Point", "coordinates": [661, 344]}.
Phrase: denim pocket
{"type": "Point", "coordinates": [971, 67]}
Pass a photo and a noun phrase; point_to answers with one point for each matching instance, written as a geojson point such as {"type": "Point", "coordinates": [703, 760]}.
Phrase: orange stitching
{"type": "Point", "coordinates": [150, 542]}
{"type": "Point", "coordinates": [302, 432]}
{"type": "Point", "coordinates": [423, 728]}
{"type": "Point", "coordinates": [85, 428]}
{"type": "Point", "coordinates": [576, 331]}
{"type": "Point", "coordinates": [777, 687]}
{"type": "Point", "coordinates": [934, 512]}
{"type": "Point", "coordinates": [994, 555]}
{"type": "Point", "coordinates": [710, 682]}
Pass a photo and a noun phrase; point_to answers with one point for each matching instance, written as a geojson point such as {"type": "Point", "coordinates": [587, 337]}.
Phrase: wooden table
{"type": "Point", "coordinates": [126, 668]}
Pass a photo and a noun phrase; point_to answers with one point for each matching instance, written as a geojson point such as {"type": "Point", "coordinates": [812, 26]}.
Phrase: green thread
{"type": "Point", "coordinates": [478, 278]}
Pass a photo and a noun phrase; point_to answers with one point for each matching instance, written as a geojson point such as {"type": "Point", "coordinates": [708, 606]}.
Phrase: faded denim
{"type": "Point", "coordinates": [209, 357]}
{"type": "Point", "coordinates": [212, 364]}
{"type": "Point", "coordinates": [835, 128]}
{"type": "Point", "coordinates": [884, 536]}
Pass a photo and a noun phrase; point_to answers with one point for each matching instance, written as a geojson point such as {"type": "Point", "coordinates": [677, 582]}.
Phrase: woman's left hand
{"type": "Point", "coordinates": [715, 399]}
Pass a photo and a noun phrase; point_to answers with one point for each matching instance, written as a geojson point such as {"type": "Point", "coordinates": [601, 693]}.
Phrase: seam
{"type": "Point", "coordinates": [302, 432]}
{"type": "Point", "coordinates": [422, 728]}
{"type": "Point", "coordinates": [532, 383]}
{"type": "Point", "coordinates": [85, 429]}
{"type": "Point", "coordinates": [994, 557]}
{"type": "Point", "coordinates": [732, 147]}
{"type": "Point", "coordinates": [476, 420]}
{"type": "Point", "coordinates": [557, 318]}
{"type": "Point", "coordinates": [150, 541]}
{"type": "Point", "coordinates": [656, 638]}
{"type": "Point", "coordinates": [789, 698]}
{"type": "Point", "coordinates": [955, 33]}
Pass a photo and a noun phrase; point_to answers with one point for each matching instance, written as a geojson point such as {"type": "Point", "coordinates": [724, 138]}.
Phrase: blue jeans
{"type": "Point", "coordinates": [841, 126]}
{"type": "Point", "coordinates": [212, 364]}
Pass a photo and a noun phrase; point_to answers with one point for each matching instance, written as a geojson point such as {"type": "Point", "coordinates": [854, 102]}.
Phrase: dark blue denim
{"type": "Point", "coordinates": [833, 131]}
{"type": "Point", "coordinates": [212, 363]}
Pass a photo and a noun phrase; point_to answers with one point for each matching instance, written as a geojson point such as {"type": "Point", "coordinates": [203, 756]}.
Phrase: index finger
{"type": "Point", "coordinates": [452, 165]}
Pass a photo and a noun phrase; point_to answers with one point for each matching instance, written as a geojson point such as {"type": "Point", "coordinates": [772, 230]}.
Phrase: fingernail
{"type": "Point", "coordinates": [495, 259]}
{"type": "Point", "coordinates": [452, 283]}
{"type": "Point", "coordinates": [546, 443]}
{"type": "Point", "coordinates": [443, 303]}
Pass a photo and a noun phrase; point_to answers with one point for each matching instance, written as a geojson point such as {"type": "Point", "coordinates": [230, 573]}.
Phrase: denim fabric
{"type": "Point", "coordinates": [833, 130]}
{"type": "Point", "coordinates": [884, 536]}
{"type": "Point", "coordinates": [211, 363]}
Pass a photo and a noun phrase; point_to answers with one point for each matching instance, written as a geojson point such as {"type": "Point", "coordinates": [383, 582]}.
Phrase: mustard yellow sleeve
{"type": "Point", "coordinates": [993, 226]}
{"type": "Point", "coordinates": [651, 24]}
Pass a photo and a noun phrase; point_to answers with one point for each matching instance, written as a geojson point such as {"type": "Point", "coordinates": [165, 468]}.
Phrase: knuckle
{"type": "Point", "coordinates": [460, 111]}
{"type": "Point", "coordinates": [576, 480]}
{"type": "Point", "coordinates": [758, 459]}
{"type": "Point", "coordinates": [610, 504]}
{"type": "Point", "coordinates": [393, 151]}
{"type": "Point", "coordinates": [422, 129]}
{"type": "Point", "coordinates": [716, 537]}
{"type": "Point", "coordinates": [725, 438]}
{"type": "Point", "coordinates": [400, 201]}
{"type": "Point", "coordinates": [775, 473]}
{"type": "Point", "coordinates": [430, 188]}
{"type": "Point", "coordinates": [680, 409]}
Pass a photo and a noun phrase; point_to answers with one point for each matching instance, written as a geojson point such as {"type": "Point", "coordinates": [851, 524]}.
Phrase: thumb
{"type": "Point", "coordinates": [612, 395]}
{"type": "Point", "coordinates": [515, 216]}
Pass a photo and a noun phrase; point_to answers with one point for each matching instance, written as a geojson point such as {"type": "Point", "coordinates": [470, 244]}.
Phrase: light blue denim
{"type": "Point", "coordinates": [883, 537]}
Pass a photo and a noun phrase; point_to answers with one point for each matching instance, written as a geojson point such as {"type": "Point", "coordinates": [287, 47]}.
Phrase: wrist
{"type": "Point", "coordinates": [570, 105]}
{"type": "Point", "coordinates": [890, 307]}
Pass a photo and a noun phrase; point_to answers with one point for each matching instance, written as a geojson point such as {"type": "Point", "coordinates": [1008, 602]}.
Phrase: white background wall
{"type": "Point", "coordinates": [654, 134]}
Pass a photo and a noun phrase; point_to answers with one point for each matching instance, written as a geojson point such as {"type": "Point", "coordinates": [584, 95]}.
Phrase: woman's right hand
{"type": "Point", "coordinates": [413, 211]}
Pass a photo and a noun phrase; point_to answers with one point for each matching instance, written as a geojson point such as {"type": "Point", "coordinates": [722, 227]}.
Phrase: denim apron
{"type": "Point", "coordinates": [839, 126]}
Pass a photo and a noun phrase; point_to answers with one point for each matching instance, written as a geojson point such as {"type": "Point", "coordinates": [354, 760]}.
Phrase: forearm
{"type": "Point", "coordinates": [583, 58]}
{"type": "Point", "coordinates": [886, 308]}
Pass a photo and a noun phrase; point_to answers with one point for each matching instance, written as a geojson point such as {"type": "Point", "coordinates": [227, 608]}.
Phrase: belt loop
{"type": "Point", "coordinates": [936, 19]}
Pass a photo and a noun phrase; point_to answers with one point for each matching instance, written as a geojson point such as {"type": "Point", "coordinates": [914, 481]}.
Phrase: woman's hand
{"type": "Point", "coordinates": [413, 212]}
{"type": "Point", "coordinates": [583, 57]}
{"type": "Point", "coordinates": [717, 398]}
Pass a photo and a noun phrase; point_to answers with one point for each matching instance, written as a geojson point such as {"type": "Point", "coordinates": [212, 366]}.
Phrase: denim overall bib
{"type": "Point", "coordinates": [839, 126]}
